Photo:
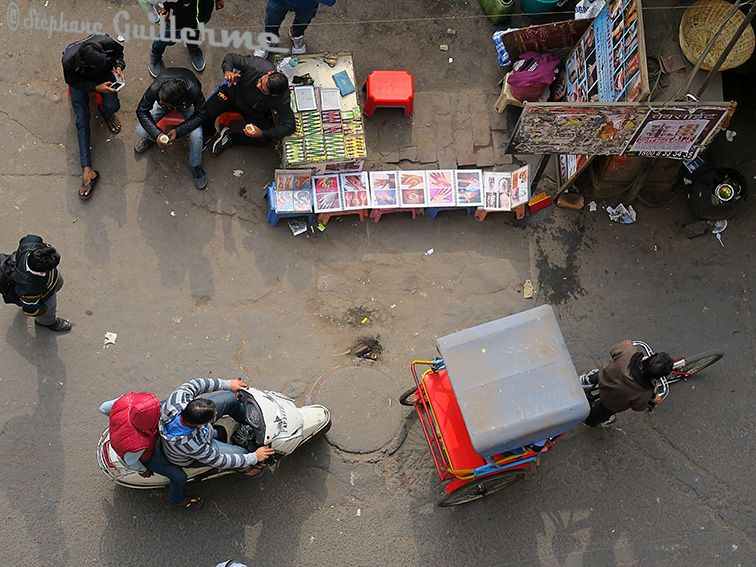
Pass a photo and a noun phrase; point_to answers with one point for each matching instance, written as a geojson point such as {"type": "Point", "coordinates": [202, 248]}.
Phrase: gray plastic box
{"type": "Point", "coordinates": [514, 381]}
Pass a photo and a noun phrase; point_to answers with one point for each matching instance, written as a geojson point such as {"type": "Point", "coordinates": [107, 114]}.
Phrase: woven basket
{"type": "Point", "coordinates": [700, 23]}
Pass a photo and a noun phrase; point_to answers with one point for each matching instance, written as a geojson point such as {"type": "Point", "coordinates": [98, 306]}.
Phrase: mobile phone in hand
{"type": "Point", "coordinates": [116, 85]}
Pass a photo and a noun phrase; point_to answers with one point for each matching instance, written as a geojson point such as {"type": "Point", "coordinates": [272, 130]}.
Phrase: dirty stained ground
{"type": "Point", "coordinates": [195, 284]}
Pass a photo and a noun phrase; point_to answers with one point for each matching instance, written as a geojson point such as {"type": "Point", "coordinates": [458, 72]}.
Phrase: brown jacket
{"type": "Point", "coordinates": [618, 389]}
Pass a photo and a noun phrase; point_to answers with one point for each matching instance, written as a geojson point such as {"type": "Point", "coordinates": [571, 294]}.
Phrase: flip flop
{"type": "Point", "coordinates": [252, 470]}
{"type": "Point", "coordinates": [89, 187]}
{"type": "Point", "coordinates": [110, 122]}
{"type": "Point", "coordinates": [190, 502]}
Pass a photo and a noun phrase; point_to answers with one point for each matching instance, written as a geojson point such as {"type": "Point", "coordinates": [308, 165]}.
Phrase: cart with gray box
{"type": "Point", "coordinates": [497, 397]}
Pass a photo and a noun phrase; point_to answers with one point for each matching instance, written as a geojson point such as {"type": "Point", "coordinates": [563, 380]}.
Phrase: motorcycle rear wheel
{"type": "Point", "coordinates": [694, 364]}
{"type": "Point", "coordinates": [477, 489]}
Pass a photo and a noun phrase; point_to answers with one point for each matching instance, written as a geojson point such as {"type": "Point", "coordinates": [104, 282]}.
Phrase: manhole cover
{"type": "Point", "coordinates": [364, 420]}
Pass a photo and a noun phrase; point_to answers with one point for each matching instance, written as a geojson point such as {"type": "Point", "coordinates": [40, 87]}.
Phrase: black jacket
{"type": "Point", "coordinates": [250, 100]}
{"type": "Point", "coordinates": [193, 96]}
{"type": "Point", "coordinates": [34, 290]}
{"type": "Point", "coordinates": [189, 13]}
{"type": "Point", "coordinates": [85, 78]}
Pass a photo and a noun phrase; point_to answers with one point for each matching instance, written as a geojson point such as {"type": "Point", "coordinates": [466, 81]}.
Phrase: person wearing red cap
{"type": "Point", "coordinates": [134, 437]}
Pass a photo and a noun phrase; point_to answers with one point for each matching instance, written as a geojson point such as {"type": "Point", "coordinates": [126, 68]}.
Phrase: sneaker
{"type": "Point", "coordinates": [59, 325]}
{"type": "Point", "coordinates": [261, 53]}
{"type": "Point", "coordinates": [142, 145]}
{"type": "Point", "coordinates": [198, 61]}
{"type": "Point", "coordinates": [608, 422]}
{"type": "Point", "coordinates": [297, 44]}
{"type": "Point", "coordinates": [223, 142]}
{"type": "Point", "coordinates": [155, 66]}
{"type": "Point", "coordinates": [200, 177]}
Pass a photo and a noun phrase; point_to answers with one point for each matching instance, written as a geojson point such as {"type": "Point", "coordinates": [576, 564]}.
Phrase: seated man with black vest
{"type": "Point", "coordinates": [254, 89]}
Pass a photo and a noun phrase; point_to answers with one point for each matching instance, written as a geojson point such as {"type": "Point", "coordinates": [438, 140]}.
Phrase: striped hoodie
{"type": "Point", "coordinates": [183, 450]}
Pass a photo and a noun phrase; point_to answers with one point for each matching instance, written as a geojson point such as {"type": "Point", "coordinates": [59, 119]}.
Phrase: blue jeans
{"type": "Point", "coordinates": [80, 104]}
{"type": "Point", "coordinates": [276, 11]}
{"type": "Point", "coordinates": [195, 136]}
{"type": "Point", "coordinates": [159, 464]}
{"type": "Point", "coordinates": [159, 45]}
{"type": "Point", "coordinates": [227, 404]}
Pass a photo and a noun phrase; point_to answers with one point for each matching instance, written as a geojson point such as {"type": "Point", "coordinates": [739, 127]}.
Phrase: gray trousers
{"type": "Point", "coordinates": [49, 317]}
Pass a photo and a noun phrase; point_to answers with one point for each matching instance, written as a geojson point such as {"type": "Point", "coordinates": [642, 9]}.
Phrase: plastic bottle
{"type": "Point", "coordinates": [287, 66]}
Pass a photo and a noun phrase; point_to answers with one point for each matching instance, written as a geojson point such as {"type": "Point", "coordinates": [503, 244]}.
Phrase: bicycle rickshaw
{"type": "Point", "coordinates": [497, 397]}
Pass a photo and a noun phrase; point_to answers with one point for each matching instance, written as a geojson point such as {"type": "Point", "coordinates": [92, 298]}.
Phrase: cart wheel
{"type": "Point", "coordinates": [409, 397]}
{"type": "Point", "coordinates": [478, 488]}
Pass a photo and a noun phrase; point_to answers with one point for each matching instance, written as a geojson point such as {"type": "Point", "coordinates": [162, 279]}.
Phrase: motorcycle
{"type": "Point", "coordinates": [272, 419]}
{"type": "Point", "coordinates": [682, 369]}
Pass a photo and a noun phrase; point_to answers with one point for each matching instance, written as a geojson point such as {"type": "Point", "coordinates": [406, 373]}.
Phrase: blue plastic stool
{"type": "Point", "coordinates": [431, 212]}
{"type": "Point", "coordinates": [273, 217]}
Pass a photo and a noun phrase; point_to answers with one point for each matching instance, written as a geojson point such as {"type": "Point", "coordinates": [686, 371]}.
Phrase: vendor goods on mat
{"type": "Point", "coordinates": [440, 188]}
{"type": "Point", "coordinates": [384, 189]}
{"type": "Point", "coordinates": [355, 190]}
{"type": "Point", "coordinates": [293, 191]}
{"type": "Point", "coordinates": [327, 193]}
{"type": "Point", "coordinates": [412, 189]}
{"type": "Point", "coordinates": [469, 187]}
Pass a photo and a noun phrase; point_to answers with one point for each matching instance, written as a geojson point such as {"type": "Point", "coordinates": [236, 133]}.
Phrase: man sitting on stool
{"type": "Point", "coordinates": [254, 89]}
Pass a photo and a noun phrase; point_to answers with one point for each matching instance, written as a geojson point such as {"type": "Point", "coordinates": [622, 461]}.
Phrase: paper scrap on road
{"type": "Point", "coordinates": [110, 339]}
{"type": "Point", "coordinates": [238, 173]}
{"type": "Point", "coordinates": [527, 289]}
{"type": "Point", "coordinates": [621, 214]}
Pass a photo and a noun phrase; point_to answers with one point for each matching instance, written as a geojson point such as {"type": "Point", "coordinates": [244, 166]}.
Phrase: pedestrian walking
{"type": "Point", "coordinates": [304, 12]}
{"type": "Point", "coordinates": [30, 278]}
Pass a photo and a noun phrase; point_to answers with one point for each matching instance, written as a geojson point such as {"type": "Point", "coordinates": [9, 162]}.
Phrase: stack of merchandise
{"type": "Point", "coordinates": [324, 132]}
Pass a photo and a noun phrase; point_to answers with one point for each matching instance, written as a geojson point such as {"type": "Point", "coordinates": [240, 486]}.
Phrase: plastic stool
{"type": "Point", "coordinates": [97, 95]}
{"type": "Point", "coordinates": [389, 89]}
{"type": "Point", "coordinates": [173, 118]}
{"type": "Point", "coordinates": [480, 214]}
{"type": "Point", "coordinates": [376, 214]}
{"type": "Point", "coordinates": [432, 212]}
{"type": "Point", "coordinates": [273, 217]}
{"type": "Point", "coordinates": [225, 119]}
{"type": "Point", "coordinates": [323, 218]}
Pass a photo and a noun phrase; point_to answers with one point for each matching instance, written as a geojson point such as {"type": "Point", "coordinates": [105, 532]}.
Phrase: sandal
{"type": "Point", "coordinates": [190, 502]}
{"type": "Point", "coordinates": [252, 470]}
{"type": "Point", "coordinates": [112, 122]}
{"type": "Point", "coordinates": [89, 187]}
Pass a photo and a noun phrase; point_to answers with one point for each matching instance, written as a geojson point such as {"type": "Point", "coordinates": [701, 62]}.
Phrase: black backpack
{"type": "Point", "coordinates": [7, 282]}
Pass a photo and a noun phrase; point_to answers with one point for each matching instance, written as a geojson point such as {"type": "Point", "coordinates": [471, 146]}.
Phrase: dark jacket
{"type": "Point", "coordinates": [34, 290]}
{"type": "Point", "coordinates": [245, 95]}
{"type": "Point", "coordinates": [84, 78]}
{"type": "Point", "coordinates": [189, 13]}
{"type": "Point", "coordinates": [619, 388]}
{"type": "Point", "coordinates": [193, 96]}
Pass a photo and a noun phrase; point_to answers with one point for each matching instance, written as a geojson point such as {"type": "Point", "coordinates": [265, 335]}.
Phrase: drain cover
{"type": "Point", "coordinates": [364, 420]}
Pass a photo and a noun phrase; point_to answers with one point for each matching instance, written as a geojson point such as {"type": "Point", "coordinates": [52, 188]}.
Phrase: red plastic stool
{"type": "Point", "coordinates": [389, 89]}
{"type": "Point", "coordinates": [97, 95]}
{"type": "Point", "coordinates": [225, 119]}
{"type": "Point", "coordinates": [173, 118]}
{"type": "Point", "coordinates": [376, 214]}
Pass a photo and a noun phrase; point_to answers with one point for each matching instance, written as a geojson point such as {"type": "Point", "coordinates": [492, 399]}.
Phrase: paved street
{"type": "Point", "coordinates": [196, 284]}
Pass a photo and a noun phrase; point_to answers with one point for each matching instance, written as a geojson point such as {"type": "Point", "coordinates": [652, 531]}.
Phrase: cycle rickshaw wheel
{"type": "Point", "coordinates": [409, 397]}
{"type": "Point", "coordinates": [481, 487]}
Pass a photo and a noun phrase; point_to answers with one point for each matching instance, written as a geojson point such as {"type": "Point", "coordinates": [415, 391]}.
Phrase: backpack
{"type": "Point", "coordinates": [7, 283]}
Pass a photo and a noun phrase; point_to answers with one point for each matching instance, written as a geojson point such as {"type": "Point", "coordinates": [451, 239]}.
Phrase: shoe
{"type": "Point", "coordinates": [142, 145]}
{"type": "Point", "coordinates": [190, 502]}
{"type": "Point", "coordinates": [608, 422]}
{"type": "Point", "coordinates": [207, 141]}
{"type": "Point", "coordinates": [200, 177]}
{"type": "Point", "coordinates": [223, 142]}
{"type": "Point", "coordinates": [587, 379]}
{"type": "Point", "coordinates": [155, 66]}
{"type": "Point", "coordinates": [263, 53]}
{"type": "Point", "coordinates": [59, 325]}
{"type": "Point", "coordinates": [297, 44]}
{"type": "Point", "coordinates": [198, 61]}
